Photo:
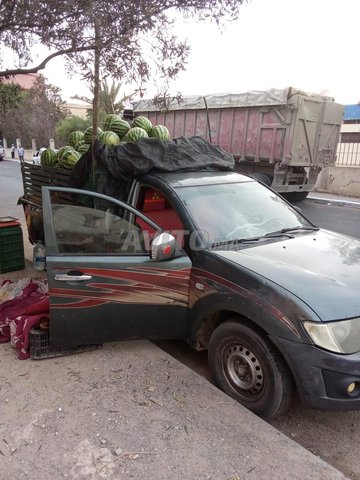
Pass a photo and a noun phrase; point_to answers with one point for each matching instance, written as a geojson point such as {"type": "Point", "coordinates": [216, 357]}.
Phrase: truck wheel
{"type": "Point", "coordinates": [295, 196]}
{"type": "Point", "coordinates": [264, 178]}
{"type": "Point", "coordinates": [248, 368]}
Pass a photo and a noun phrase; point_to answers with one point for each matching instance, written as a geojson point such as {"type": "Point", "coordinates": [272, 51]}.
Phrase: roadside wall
{"type": "Point", "coordinates": [339, 181]}
{"type": "Point", "coordinates": [27, 156]}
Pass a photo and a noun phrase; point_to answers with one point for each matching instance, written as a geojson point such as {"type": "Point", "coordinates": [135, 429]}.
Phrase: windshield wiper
{"type": "Point", "coordinates": [284, 232]}
{"type": "Point", "coordinates": [235, 241]}
{"type": "Point", "coordinates": [298, 227]}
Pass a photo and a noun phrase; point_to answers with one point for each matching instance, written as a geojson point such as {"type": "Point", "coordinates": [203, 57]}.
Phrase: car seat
{"type": "Point", "coordinates": [157, 209]}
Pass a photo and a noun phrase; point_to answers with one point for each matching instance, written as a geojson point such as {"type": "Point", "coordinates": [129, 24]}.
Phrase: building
{"type": "Point", "coordinates": [78, 109]}
{"type": "Point", "coordinates": [348, 153]}
{"type": "Point", "coordinates": [26, 81]}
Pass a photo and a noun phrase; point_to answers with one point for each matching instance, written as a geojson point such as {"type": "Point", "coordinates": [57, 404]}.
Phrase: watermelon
{"type": "Point", "coordinates": [110, 139]}
{"type": "Point", "coordinates": [79, 144]}
{"type": "Point", "coordinates": [83, 148]}
{"type": "Point", "coordinates": [48, 158]}
{"type": "Point", "coordinates": [88, 135]}
{"type": "Point", "coordinates": [109, 120]}
{"type": "Point", "coordinates": [134, 134]}
{"type": "Point", "coordinates": [114, 123]}
{"type": "Point", "coordinates": [68, 157]}
{"type": "Point", "coordinates": [160, 132]}
{"type": "Point", "coordinates": [142, 122]}
{"type": "Point", "coordinates": [75, 137]}
{"type": "Point", "coordinates": [62, 151]}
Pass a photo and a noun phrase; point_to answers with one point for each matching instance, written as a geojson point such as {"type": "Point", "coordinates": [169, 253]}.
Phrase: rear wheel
{"type": "Point", "coordinates": [295, 196]}
{"type": "Point", "coordinates": [264, 178]}
{"type": "Point", "coordinates": [248, 368]}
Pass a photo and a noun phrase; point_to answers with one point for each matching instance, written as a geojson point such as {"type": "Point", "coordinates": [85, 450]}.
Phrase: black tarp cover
{"type": "Point", "coordinates": [117, 166]}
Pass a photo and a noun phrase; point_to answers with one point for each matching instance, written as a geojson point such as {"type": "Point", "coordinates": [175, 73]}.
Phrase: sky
{"type": "Point", "coordinates": [308, 44]}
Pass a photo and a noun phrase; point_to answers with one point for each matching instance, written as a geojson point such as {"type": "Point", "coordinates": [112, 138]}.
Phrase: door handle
{"type": "Point", "coordinates": [64, 277]}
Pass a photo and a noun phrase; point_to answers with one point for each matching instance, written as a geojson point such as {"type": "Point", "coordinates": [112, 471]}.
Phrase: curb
{"type": "Point", "coordinates": [334, 201]}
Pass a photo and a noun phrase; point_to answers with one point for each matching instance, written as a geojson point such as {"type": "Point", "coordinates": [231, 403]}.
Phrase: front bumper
{"type": "Point", "coordinates": [322, 377]}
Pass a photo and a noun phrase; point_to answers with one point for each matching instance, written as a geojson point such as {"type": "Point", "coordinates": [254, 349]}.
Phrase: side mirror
{"type": "Point", "coordinates": [162, 247]}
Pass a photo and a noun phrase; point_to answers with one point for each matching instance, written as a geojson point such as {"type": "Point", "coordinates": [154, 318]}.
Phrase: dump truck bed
{"type": "Point", "coordinates": [271, 126]}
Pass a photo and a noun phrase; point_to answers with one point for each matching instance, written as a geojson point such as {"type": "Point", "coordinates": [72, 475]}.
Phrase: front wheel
{"type": "Point", "coordinates": [248, 368]}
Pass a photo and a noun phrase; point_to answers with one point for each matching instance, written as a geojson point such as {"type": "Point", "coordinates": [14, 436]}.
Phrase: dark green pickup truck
{"type": "Point", "coordinates": [222, 262]}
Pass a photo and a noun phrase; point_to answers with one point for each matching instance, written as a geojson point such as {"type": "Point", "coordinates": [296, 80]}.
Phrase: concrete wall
{"type": "Point", "coordinates": [340, 181]}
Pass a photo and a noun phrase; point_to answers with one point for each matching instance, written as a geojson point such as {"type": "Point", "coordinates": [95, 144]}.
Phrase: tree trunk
{"type": "Point", "coordinates": [97, 53]}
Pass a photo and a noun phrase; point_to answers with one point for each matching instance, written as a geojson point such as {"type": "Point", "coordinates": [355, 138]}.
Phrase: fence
{"type": "Point", "coordinates": [348, 151]}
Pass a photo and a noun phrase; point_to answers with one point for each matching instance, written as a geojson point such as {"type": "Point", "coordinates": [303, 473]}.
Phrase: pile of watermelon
{"type": "Point", "coordinates": [115, 131]}
{"type": "Point", "coordinates": [141, 127]}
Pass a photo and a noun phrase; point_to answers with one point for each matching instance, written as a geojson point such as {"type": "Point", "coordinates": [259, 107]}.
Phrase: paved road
{"type": "Point", "coordinates": [11, 188]}
{"type": "Point", "coordinates": [334, 436]}
{"type": "Point", "coordinates": [342, 219]}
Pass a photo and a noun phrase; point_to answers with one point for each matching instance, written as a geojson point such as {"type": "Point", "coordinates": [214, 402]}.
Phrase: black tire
{"type": "Point", "coordinates": [295, 196]}
{"type": "Point", "coordinates": [264, 385]}
{"type": "Point", "coordinates": [263, 178]}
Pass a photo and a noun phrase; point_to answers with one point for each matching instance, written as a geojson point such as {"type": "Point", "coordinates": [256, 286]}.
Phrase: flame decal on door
{"type": "Point", "coordinates": [142, 285]}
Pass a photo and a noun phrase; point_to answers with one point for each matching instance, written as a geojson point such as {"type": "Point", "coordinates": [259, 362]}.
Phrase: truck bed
{"type": "Point", "coordinates": [285, 137]}
{"type": "Point", "coordinates": [36, 176]}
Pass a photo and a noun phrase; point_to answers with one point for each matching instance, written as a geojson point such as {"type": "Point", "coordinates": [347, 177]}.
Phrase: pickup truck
{"type": "Point", "coordinates": [221, 261]}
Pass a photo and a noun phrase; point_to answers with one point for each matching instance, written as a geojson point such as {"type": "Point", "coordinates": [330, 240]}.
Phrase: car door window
{"type": "Point", "coordinates": [158, 208]}
{"type": "Point", "coordinates": [104, 229]}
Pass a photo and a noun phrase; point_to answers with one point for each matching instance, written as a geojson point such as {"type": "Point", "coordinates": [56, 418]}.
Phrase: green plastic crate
{"type": "Point", "coordinates": [11, 249]}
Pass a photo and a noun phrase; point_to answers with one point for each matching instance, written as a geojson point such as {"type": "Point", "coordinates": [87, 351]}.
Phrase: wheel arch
{"type": "Point", "coordinates": [208, 314]}
{"type": "Point", "coordinates": [200, 335]}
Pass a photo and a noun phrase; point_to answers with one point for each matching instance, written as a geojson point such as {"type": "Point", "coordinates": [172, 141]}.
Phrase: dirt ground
{"type": "Point", "coordinates": [130, 411]}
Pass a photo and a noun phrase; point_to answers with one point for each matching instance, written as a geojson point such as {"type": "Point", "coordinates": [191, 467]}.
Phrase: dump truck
{"type": "Point", "coordinates": [282, 137]}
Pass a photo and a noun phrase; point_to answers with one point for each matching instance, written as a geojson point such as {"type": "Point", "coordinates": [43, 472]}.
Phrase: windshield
{"type": "Point", "coordinates": [239, 211]}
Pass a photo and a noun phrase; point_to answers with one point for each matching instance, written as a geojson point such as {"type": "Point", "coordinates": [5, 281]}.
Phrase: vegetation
{"type": "Point", "coordinates": [32, 113]}
{"type": "Point", "coordinates": [10, 97]}
{"type": "Point", "coordinates": [123, 32]}
{"type": "Point", "coordinates": [109, 101]}
{"type": "Point", "coordinates": [68, 125]}
{"type": "Point", "coordinates": [129, 41]}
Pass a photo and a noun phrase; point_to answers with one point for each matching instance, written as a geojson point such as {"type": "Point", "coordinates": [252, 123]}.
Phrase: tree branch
{"type": "Point", "coordinates": [41, 66]}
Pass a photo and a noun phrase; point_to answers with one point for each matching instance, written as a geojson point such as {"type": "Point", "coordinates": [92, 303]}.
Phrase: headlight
{"type": "Point", "coordinates": [341, 337]}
